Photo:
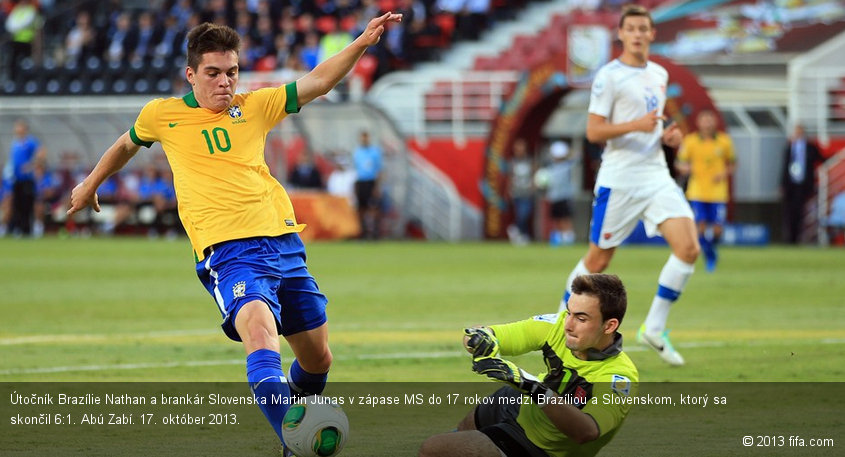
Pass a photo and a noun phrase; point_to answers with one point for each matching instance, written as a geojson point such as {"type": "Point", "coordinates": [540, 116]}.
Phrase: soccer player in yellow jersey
{"type": "Point", "coordinates": [576, 407]}
{"type": "Point", "coordinates": [707, 157]}
{"type": "Point", "coordinates": [239, 219]}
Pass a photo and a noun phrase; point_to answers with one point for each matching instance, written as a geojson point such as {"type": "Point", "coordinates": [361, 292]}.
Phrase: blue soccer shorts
{"type": "Point", "coordinates": [709, 212]}
{"type": "Point", "coordinates": [269, 269]}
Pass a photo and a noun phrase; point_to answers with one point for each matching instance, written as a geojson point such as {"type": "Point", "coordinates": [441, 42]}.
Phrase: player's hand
{"type": "Point", "coordinates": [648, 122]}
{"type": "Point", "coordinates": [375, 28]}
{"type": "Point", "coordinates": [82, 197]}
{"type": "Point", "coordinates": [481, 342]}
{"type": "Point", "coordinates": [507, 372]}
{"type": "Point", "coordinates": [672, 136]}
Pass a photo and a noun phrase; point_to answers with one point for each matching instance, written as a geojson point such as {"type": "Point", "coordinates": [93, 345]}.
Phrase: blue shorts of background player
{"type": "Point", "coordinates": [709, 212]}
{"type": "Point", "coordinates": [269, 269]}
{"type": "Point", "coordinates": [710, 218]}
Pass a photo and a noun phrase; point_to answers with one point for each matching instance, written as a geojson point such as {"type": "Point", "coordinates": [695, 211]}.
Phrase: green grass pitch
{"type": "Point", "coordinates": [133, 310]}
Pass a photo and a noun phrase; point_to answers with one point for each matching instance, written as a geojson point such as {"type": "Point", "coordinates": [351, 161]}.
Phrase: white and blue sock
{"type": "Point", "coordinates": [303, 383]}
{"type": "Point", "coordinates": [673, 278]}
{"type": "Point", "coordinates": [579, 270]}
{"type": "Point", "coordinates": [268, 383]}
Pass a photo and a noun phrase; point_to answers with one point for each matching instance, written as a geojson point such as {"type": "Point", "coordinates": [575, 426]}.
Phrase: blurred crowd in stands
{"type": "Point", "coordinates": [131, 46]}
{"type": "Point", "coordinates": [141, 201]}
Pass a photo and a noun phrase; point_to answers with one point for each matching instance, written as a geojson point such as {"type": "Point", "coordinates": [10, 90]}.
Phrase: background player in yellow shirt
{"type": "Point", "coordinates": [586, 366]}
{"type": "Point", "coordinates": [238, 217]}
{"type": "Point", "coordinates": [707, 157]}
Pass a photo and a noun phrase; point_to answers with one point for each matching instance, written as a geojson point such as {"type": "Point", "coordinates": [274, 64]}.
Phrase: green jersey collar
{"type": "Point", "coordinates": [191, 100]}
{"type": "Point", "coordinates": [610, 351]}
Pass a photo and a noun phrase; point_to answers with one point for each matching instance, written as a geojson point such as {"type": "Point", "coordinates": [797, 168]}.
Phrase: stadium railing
{"type": "Point", "coordinates": [812, 79]}
{"type": "Point", "coordinates": [457, 104]}
{"type": "Point", "coordinates": [831, 182]}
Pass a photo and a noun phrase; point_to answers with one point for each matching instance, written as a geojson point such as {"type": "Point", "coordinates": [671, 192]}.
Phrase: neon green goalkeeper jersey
{"type": "Point", "coordinates": [598, 386]}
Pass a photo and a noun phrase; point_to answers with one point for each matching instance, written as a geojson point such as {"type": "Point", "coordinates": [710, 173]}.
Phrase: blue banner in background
{"type": "Point", "coordinates": [733, 235]}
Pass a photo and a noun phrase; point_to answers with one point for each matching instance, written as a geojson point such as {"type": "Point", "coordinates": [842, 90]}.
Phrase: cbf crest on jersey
{"type": "Point", "coordinates": [236, 114]}
{"type": "Point", "coordinates": [239, 289]}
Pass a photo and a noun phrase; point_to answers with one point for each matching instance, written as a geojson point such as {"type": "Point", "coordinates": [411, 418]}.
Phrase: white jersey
{"type": "Point", "coordinates": [622, 93]}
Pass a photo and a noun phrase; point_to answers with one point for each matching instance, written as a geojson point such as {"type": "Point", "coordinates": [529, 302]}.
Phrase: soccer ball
{"type": "Point", "coordinates": [315, 427]}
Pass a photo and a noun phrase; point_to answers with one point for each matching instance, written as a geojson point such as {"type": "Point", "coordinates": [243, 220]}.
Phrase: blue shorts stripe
{"type": "Point", "coordinates": [599, 210]}
{"type": "Point", "coordinates": [221, 304]}
{"type": "Point", "coordinates": [667, 293]}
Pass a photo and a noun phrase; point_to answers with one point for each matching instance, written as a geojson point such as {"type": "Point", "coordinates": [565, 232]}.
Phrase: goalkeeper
{"type": "Point", "coordinates": [576, 405]}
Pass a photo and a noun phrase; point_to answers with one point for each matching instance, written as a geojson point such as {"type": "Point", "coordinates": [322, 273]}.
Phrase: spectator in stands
{"type": "Point", "coordinates": [265, 36]}
{"type": "Point", "coordinates": [171, 38]}
{"type": "Point", "coordinates": [335, 40]}
{"type": "Point", "coordinates": [305, 175]}
{"type": "Point", "coordinates": [182, 10]}
{"type": "Point", "coordinates": [121, 39]}
{"type": "Point", "coordinates": [310, 52]}
{"type": "Point", "coordinates": [81, 39]}
{"type": "Point", "coordinates": [24, 152]}
{"type": "Point", "coordinates": [798, 179]}
{"type": "Point", "coordinates": [148, 37]}
{"type": "Point", "coordinates": [559, 193]}
{"type": "Point", "coordinates": [521, 191]}
{"type": "Point", "coordinates": [342, 179]}
{"type": "Point", "coordinates": [244, 24]}
{"type": "Point", "coordinates": [48, 195]}
{"type": "Point", "coordinates": [288, 32]}
{"type": "Point", "coordinates": [24, 25]}
{"type": "Point", "coordinates": [369, 162]}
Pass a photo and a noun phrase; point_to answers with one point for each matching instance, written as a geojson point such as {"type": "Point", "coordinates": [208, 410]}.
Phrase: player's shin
{"type": "Point", "coordinates": [673, 278]}
{"type": "Point", "coordinates": [303, 383]}
{"type": "Point", "coordinates": [269, 385]}
{"type": "Point", "coordinates": [579, 270]}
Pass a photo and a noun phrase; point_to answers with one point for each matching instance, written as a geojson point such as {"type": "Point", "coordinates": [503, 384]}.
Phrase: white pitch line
{"type": "Point", "coordinates": [380, 356]}
{"type": "Point", "coordinates": [81, 337]}
{"type": "Point", "coordinates": [204, 363]}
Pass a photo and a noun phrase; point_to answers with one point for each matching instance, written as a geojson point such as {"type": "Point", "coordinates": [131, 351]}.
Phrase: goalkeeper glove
{"type": "Point", "coordinates": [507, 372]}
{"type": "Point", "coordinates": [481, 342]}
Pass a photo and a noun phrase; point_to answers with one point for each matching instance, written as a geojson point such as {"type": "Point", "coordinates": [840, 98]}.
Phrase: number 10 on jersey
{"type": "Point", "coordinates": [221, 140]}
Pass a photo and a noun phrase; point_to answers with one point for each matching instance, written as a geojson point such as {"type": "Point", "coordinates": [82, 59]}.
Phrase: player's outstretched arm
{"type": "Point", "coordinates": [599, 129]}
{"type": "Point", "coordinates": [115, 158]}
{"type": "Point", "coordinates": [326, 75]}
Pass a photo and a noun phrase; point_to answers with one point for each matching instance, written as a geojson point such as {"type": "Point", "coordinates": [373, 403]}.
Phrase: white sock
{"type": "Point", "coordinates": [579, 270]}
{"type": "Point", "coordinates": [673, 278]}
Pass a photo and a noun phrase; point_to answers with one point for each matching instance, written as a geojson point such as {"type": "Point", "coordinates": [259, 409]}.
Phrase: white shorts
{"type": "Point", "coordinates": [616, 212]}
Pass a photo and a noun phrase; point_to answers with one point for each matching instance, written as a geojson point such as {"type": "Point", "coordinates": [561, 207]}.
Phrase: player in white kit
{"type": "Point", "coordinates": [633, 183]}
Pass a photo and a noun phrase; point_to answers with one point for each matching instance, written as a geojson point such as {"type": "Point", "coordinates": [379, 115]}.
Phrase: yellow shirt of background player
{"type": "Point", "coordinates": [708, 159]}
{"type": "Point", "coordinates": [223, 186]}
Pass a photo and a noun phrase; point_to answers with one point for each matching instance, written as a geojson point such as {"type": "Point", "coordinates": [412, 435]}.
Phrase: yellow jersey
{"type": "Point", "coordinates": [224, 188]}
{"type": "Point", "coordinates": [708, 159]}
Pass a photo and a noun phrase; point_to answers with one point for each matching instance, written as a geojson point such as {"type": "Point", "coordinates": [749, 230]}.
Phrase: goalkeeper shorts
{"type": "Point", "coordinates": [497, 420]}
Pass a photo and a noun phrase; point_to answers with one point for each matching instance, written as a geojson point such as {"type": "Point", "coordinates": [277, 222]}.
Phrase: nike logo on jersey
{"type": "Point", "coordinates": [172, 124]}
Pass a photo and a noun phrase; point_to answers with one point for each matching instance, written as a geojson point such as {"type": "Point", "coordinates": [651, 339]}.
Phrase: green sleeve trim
{"type": "Point", "coordinates": [291, 98]}
{"type": "Point", "coordinates": [138, 141]}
